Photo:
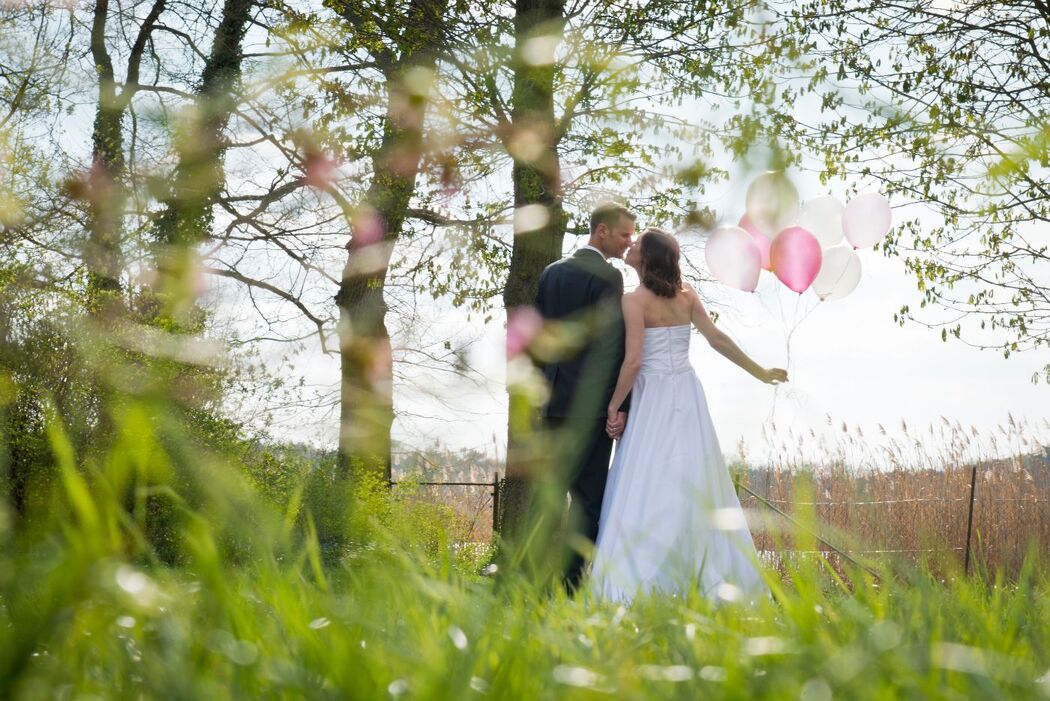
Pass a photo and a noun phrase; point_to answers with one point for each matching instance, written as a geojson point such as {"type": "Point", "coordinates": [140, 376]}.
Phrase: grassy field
{"type": "Point", "coordinates": [884, 496]}
{"type": "Point", "coordinates": [255, 609]}
{"type": "Point", "coordinates": [391, 626]}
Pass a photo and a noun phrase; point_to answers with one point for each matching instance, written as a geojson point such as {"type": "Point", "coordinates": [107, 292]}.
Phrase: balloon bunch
{"type": "Point", "coordinates": [801, 245]}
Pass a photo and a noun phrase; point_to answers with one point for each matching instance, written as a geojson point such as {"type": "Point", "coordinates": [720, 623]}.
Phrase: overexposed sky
{"type": "Point", "coordinates": [849, 361]}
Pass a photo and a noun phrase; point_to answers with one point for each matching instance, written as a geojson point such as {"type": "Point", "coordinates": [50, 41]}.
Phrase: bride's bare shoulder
{"type": "Point", "coordinates": [692, 298]}
{"type": "Point", "coordinates": [689, 293]}
{"type": "Point", "coordinates": [639, 293]}
{"type": "Point", "coordinates": [634, 297]}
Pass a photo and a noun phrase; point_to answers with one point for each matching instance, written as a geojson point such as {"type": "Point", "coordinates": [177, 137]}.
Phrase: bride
{"type": "Point", "coordinates": [670, 517]}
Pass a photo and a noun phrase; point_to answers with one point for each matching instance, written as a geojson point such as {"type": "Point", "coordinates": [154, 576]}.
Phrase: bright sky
{"type": "Point", "coordinates": [849, 361]}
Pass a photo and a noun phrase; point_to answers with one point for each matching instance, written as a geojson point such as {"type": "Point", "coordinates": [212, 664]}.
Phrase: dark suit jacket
{"type": "Point", "coordinates": [583, 293]}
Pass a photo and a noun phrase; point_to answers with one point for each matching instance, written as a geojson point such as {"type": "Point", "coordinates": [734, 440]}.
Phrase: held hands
{"type": "Point", "coordinates": [615, 422]}
{"type": "Point", "coordinates": [773, 376]}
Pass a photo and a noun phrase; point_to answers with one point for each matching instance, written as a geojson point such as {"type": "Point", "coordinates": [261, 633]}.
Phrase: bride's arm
{"type": "Point", "coordinates": [725, 345]}
{"type": "Point", "coordinates": [634, 331]}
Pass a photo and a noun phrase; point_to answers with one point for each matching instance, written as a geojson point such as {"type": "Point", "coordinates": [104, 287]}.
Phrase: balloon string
{"type": "Point", "coordinates": [787, 345]}
{"type": "Point", "coordinates": [789, 331]}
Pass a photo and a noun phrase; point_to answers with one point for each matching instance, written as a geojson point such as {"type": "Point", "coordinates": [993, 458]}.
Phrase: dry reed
{"type": "Point", "coordinates": [900, 493]}
{"type": "Point", "coordinates": [907, 498]}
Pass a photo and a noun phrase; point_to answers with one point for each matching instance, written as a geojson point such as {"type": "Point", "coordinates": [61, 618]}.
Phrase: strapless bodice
{"type": "Point", "coordinates": [666, 350]}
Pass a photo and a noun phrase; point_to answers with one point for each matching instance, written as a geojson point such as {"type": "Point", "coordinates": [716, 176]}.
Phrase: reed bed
{"type": "Point", "coordinates": [891, 493]}
{"type": "Point", "coordinates": [903, 499]}
{"type": "Point", "coordinates": [468, 507]}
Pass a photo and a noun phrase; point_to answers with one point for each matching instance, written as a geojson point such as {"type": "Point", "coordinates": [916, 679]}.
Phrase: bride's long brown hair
{"type": "Point", "coordinates": [660, 270]}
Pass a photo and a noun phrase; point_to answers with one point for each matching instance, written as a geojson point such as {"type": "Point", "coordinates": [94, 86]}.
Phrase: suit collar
{"type": "Point", "coordinates": [590, 251]}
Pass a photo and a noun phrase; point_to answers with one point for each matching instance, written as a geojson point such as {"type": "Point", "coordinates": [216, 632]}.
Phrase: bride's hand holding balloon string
{"type": "Point", "coordinates": [774, 376]}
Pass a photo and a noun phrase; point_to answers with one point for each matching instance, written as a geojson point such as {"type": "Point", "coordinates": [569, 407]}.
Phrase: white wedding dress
{"type": "Point", "coordinates": [670, 518]}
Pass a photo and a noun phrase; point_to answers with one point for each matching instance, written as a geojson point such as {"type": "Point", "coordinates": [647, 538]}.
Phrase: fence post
{"type": "Point", "coordinates": [495, 503]}
{"type": "Point", "coordinates": [969, 520]}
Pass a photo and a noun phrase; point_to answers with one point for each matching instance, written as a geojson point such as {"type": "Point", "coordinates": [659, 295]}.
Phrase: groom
{"type": "Point", "coordinates": [582, 292]}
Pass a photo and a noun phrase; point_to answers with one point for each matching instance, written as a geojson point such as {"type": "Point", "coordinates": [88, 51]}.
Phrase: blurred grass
{"type": "Point", "coordinates": [257, 609]}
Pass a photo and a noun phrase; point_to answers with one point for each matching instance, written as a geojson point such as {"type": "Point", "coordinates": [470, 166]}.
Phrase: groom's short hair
{"type": "Point", "coordinates": [609, 213]}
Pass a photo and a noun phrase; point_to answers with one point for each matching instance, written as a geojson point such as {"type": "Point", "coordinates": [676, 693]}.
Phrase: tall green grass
{"type": "Point", "coordinates": [254, 606]}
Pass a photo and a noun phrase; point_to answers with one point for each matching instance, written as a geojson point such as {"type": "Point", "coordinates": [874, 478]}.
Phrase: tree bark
{"type": "Point", "coordinates": [105, 188]}
{"type": "Point", "coordinates": [105, 194]}
{"type": "Point", "coordinates": [366, 393]}
{"type": "Point", "coordinates": [537, 183]}
{"type": "Point", "coordinates": [199, 174]}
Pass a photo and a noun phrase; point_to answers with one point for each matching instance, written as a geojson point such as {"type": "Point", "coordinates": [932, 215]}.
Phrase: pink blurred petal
{"type": "Point", "coordinates": [523, 324]}
{"type": "Point", "coordinates": [368, 229]}
{"type": "Point", "coordinates": [319, 170]}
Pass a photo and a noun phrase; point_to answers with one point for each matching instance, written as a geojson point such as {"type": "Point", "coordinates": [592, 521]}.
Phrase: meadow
{"type": "Point", "coordinates": [892, 496]}
{"type": "Point", "coordinates": [252, 601]}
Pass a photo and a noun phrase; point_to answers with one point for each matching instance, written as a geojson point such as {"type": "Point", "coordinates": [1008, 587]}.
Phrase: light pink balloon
{"type": "Point", "coordinates": [761, 239]}
{"type": "Point", "coordinates": [796, 257]}
{"type": "Point", "coordinates": [733, 258]}
{"type": "Point", "coordinates": [867, 219]}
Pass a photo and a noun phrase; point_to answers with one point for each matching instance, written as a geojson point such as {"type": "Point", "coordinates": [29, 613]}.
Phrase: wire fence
{"type": "Point", "coordinates": [907, 501]}
{"type": "Point", "coordinates": [993, 513]}
{"type": "Point", "coordinates": [476, 504]}
{"type": "Point", "coordinates": [989, 512]}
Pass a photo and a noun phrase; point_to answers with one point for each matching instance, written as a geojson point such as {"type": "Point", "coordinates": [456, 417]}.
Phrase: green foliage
{"type": "Point", "coordinates": [55, 360]}
{"type": "Point", "coordinates": [946, 105]}
{"type": "Point", "coordinates": [278, 473]}
{"type": "Point", "coordinates": [38, 368]}
{"type": "Point", "coordinates": [402, 614]}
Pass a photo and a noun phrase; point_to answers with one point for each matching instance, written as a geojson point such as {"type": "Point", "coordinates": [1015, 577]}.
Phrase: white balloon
{"type": "Point", "coordinates": [839, 273]}
{"type": "Point", "coordinates": [772, 202]}
{"type": "Point", "coordinates": [867, 219]}
{"type": "Point", "coordinates": [823, 217]}
{"type": "Point", "coordinates": [734, 258]}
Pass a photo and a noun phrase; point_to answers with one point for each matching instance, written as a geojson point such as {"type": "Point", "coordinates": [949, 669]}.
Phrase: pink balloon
{"type": "Point", "coordinates": [761, 240]}
{"type": "Point", "coordinates": [796, 257]}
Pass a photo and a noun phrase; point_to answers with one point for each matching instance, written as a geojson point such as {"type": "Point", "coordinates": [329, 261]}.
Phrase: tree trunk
{"type": "Point", "coordinates": [106, 194]}
{"type": "Point", "coordinates": [199, 174]}
{"type": "Point", "coordinates": [366, 393]}
{"type": "Point", "coordinates": [186, 222]}
{"type": "Point", "coordinates": [106, 190]}
{"type": "Point", "coordinates": [537, 183]}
